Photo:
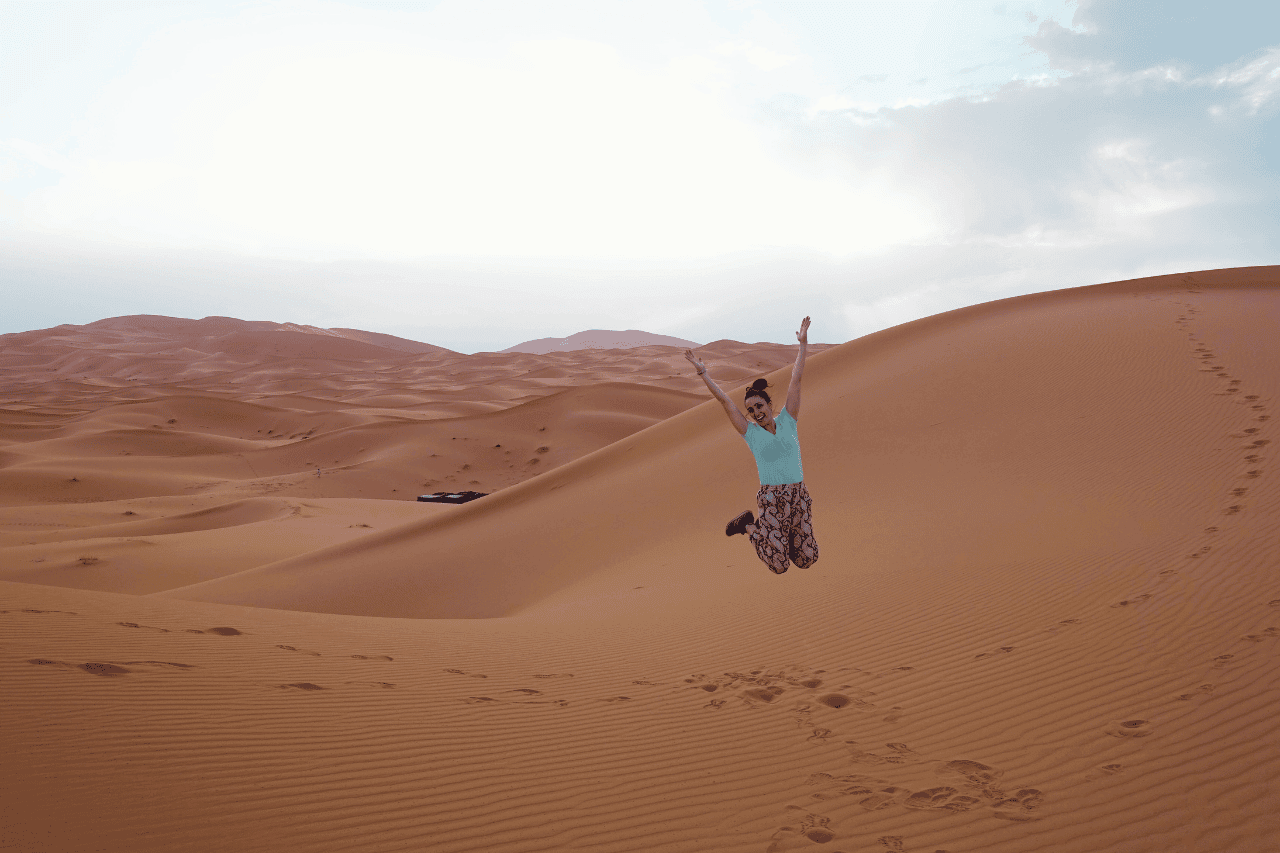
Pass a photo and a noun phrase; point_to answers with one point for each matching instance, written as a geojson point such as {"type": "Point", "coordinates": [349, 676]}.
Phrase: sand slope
{"type": "Point", "coordinates": [1045, 617]}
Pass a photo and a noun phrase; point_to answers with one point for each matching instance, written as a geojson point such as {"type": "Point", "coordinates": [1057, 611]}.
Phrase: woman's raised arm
{"type": "Point", "coordinates": [793, 390]}
{"type": "Point", "coordinates": [740, 422]}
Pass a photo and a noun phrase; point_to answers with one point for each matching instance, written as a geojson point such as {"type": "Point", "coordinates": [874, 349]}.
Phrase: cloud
{"type": "Point", "coordinates": [475, 179]}
{"type": "Point", "coordinates": [761, 57]}
{"type": "Point", "coordinates": [278, 132]}
{"type": "Point", "coordinates": [1115, 170]}
{"type": "Point", "coordinates": [1130, 35]}
{"type": "Point", "coordinates": [1254, 84]}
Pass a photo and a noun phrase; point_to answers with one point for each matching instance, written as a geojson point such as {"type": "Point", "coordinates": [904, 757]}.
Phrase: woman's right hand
{"type": "Point", "coordinates": [699, 366]}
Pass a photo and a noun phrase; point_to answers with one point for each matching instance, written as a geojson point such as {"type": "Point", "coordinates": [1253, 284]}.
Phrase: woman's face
{"type": "Point", "coordinates": [759, 410]}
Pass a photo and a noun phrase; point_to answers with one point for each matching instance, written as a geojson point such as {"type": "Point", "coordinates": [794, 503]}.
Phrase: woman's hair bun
{"type": "Point", "coordinates": [759, 385]}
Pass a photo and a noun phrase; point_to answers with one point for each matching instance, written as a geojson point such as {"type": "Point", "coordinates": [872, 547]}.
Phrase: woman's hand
{"type": "Point", "coordinates": [803, 335]}
{"type": "Point", "coordinates": [693, 359]}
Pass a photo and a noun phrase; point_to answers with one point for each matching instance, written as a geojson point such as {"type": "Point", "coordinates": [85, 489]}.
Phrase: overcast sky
{"type": "Point", "coordinates": [474, 174]}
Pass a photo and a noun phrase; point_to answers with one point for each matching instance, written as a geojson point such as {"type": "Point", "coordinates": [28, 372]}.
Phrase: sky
{"type": "Point", "coordinates": [479, 173]}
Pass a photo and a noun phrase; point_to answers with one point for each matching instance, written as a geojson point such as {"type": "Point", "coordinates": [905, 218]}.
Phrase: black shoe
{"type": "Point", "coordinates": [739, 524]}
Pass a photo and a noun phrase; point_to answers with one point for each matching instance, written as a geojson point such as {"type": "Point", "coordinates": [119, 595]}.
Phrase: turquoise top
{"type": "Point", "coordinates": [777, 456]}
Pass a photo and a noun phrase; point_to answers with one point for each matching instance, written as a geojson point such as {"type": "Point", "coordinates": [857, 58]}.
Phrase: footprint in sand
{"type": "Point", "coordinates": [812, 828]}
{"type": "Point", "coordinates": [225, 632]}
{"type": "Point", "coordinates": [884, 798]}
{"type": "Point", "coordinates": [93, 667]}
{"type": "Point", "coordinates": [1268, 634]}
{"type": "Point", "coordinates": [1103, 770]}
{"type": "Point", "coordinates": [373, 657]}
{"type": "Point", "coordinates": [858, 755]}
{"type": "Point", "coordinates": [1202, 690]}
{"type": "Point", "coordinates": [974, 786]}
{"type": "Point", "coordinates": [1129, 728]}
{"type": "Point", "coordinates": [385, 685]}
{"type": "Point", "coordinates": [816, 828]}
{"type": "Point", "coordinates": [1137, 599]}
{"type": "Point", "coordinates": [1021, 806]}
{"type": "Point", "coordinates": [301, 685]}
{"type": "Point", "coordinates": [761, 687]}
{"type": "Point", "coordinates": [103, 668]}
{"type": "Point", "coordinates": [33, 610]}
{"type": "Point", "coordinates": [766, 695]}
{"type": "Point", "coordinates": [489, 700]}
{"type": "Point", "coordinates": [975, 772]}
{"type": "Point", "coordinates": [144, 627]}
{"type": "Point", "coordinates": [303, 651]}
{"type": "Point", "coordinates": [942, 797]}
{"type": "Point", "coordinates": [831, 787]}
{"type": "Point", "coordinates": [470, 674]}
{"type": "Point", "coordinates": [931, 798]}
{"type": "Point", "coordinates": [1222, 661]}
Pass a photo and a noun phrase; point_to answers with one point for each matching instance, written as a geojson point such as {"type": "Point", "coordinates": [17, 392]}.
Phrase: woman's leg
{"type": "Point", "coordinates": [802, 547]}
{"type": "Point", "coordinates": [768, 534]}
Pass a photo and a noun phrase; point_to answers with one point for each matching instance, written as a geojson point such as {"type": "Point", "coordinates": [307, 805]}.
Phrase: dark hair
{"type": "Point", "coordinates": [757, 390]}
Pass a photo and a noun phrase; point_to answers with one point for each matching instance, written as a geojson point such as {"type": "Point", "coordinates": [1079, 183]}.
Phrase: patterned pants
{"type": "Point", "coordinates": [784, 528]}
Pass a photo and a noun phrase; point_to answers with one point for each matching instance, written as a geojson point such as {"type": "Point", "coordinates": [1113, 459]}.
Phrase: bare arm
{"type": "Point", "coordinates": [793, 390]}
{"type": "Point", "coordinates": [739, 420]}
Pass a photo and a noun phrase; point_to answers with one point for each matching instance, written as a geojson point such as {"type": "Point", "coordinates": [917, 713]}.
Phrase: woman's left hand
{"type": "Point", "coordinates": [803, 335]}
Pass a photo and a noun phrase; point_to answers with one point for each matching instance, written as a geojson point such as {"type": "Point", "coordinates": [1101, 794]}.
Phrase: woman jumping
{"type": "Point", "coordinates": [784, 532]}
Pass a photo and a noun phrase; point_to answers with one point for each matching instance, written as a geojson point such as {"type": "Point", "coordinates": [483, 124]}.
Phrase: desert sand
{"type": "Point", "coordinates": [1046, 615]}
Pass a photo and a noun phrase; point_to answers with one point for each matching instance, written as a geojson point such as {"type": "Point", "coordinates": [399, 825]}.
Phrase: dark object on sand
{"type": "Point", "coordinates": [451, 497]}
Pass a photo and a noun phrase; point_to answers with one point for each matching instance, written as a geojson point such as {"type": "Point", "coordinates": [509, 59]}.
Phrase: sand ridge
{"type": "Point", "coordinates": [84, 403]}
{"type": "Point", "coordinates": [1046, 616]}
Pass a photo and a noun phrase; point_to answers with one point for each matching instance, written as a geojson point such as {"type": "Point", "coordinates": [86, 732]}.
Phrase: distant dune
{"type": "Point", "coordinates": [1046, 613]}
{"type": "Point", "coordinates": [603, 339]}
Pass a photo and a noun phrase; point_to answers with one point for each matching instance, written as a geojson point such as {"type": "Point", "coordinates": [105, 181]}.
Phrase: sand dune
{"type": "Point", "coordinates": [601, 339]}
{"type": "Point", "coordinates": [1045, 616]}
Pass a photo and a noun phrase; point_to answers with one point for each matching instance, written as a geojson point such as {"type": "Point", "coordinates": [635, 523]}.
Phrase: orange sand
{"type": "Point", "coordinates": [1046, 614]}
